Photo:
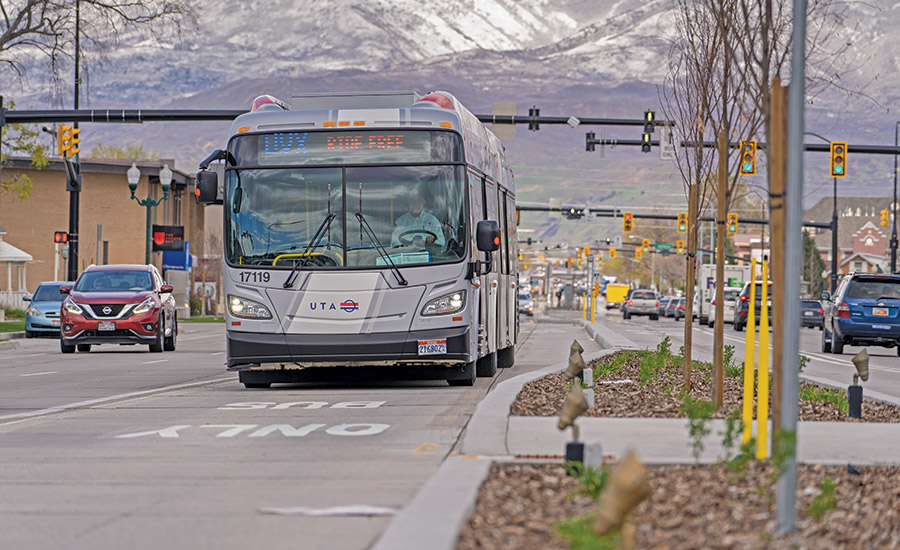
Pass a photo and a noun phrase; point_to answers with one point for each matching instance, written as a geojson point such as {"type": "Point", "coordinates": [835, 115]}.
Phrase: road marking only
{"type": "Point", "coordinates": [286, 430]}
{"type": "Point", "coordinates": [40, 373]}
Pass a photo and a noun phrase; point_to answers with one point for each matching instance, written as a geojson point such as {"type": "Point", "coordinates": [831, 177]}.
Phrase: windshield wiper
{"type": "Point", "coordinates": [371, 234]}
{"type": "Point", "coordinates": [292, 277]}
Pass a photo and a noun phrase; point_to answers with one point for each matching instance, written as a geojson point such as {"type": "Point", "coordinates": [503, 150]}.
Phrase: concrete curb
{"type": "Point", "coordinates": [452, 491]}
{"type": "Point", "coordinates": [12, 344]}
{"type": "Point", "coordinates": [486, 434]}
{"type": "Point", "coordinates": [12, 335]}
{"type": "Point", "coordinates": [607, 338]}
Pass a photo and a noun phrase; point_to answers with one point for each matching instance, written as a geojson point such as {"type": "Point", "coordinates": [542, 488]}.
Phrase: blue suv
{"type": "Point", "coordinates": [864, 311]}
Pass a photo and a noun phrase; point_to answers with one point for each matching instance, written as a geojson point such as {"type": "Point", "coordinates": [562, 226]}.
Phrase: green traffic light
{"type": "Point", "coordinates": [748, 167]}
{"type": "Point", "coordinates": [838, 168]}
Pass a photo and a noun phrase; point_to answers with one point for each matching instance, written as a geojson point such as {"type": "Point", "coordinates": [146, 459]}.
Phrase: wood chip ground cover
{"type": "Point", "coordinates": [619, 392]}
{"type": "Point", "coordinates": [693, 506]}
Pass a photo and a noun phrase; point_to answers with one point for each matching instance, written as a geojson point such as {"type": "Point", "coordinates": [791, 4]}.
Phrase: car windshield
{"type": "Point", "coordinates": [811, 304]}
{"type": "Point", "coordinates": [47, 293]}
{"type": "Point", "coordinates": [114, 281]}
{"type": "Point", "coordinates": [874, 289]}
{"type": "Point", "coordinates": [524, 296]}
{"type": "Point", "coordinates": [643, 295]}
{"type": "Point", "coordinates": [731, 294]}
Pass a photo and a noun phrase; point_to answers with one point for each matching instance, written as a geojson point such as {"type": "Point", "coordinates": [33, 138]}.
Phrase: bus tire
{"type": "Point", "coordinates": [257, 385]}
{"type": "Point", "coordinates": [469, 380]}
{"type": "Point", "coordinates": [486, 367]}
{"type": "Point", "coordinates": [506, 357]}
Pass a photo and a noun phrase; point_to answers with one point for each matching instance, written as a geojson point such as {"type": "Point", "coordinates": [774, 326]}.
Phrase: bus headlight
{"type": "Point", "coordinates": [248, 309]}
{"type": "Point", "coordinates": [451, 303]}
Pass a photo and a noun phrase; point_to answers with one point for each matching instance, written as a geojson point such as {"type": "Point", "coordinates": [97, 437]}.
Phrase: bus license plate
{"type": "Point", "coordinates": [880, 311]}
{"type": "Point", "coordinates": [433, 347]}
{"type": "Point", "coordinates": [106, 325]}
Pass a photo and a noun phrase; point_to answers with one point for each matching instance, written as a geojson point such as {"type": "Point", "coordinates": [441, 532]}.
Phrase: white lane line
{"type": "Point", "coordinates": [22, 356]}
{"type": "Point", "coordinates": [88, 403]}
{"type": "Point", "coordinates": [201, 337]}
{"type": "Point", "coordinates": [40, 373]}
{"type": "Point", "coordinates": [153, 362]}
{"type": "Point", "coordinates": [217, 353]}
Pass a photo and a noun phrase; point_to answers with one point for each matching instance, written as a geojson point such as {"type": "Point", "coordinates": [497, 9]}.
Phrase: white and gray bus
{"type": "Point", "coordinates": [373, 229]}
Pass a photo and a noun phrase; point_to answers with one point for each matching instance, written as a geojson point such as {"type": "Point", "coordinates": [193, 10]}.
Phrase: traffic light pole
{"type": "Point", "coordinates": [834, 238]}
{"type": "Point", "coordinates": [894, 209]}
{"type": "Point", "coordinates": [75, 188]}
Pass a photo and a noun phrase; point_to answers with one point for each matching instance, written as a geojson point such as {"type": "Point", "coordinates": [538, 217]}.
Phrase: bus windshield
{"type": "Point", "coordinates": [311, 216]}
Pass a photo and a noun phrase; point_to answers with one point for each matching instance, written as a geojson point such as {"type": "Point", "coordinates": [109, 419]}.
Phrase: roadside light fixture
{"type": "Point", "coordinates": [627, 485]}
{"type": "Point", "coordinates": [576, 362]}
{"type": "Point", "coordinates": [854, 392]}
{"type": "Point", "coordinates": [165, 182]}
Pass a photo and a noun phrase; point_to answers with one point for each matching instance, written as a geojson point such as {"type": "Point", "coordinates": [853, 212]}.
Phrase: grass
{"type": "Point", "coordinates": [12, 326]}
{"type": "Point", "coordinates": [826, 395]}
{"type": "Point", "coordinates": [580, 534]}
{"type": "Point", "coordinates": [825, 501]}
{"type": "Point", "coordinates": [603, 370]}
{"type": "Point", "coordinates": [203, 320]}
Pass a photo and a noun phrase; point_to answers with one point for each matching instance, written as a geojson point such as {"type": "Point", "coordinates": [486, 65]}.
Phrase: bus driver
{"type": "Point", "coordinates": [417, 224]}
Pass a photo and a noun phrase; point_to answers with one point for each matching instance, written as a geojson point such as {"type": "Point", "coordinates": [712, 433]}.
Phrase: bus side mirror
{"type": "Point", "coordinates": [207, 187]}
{"type": "Point", "coordinates": [487, 235]}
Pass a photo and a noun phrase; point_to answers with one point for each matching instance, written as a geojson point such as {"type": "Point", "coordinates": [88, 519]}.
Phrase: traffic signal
{"type": "Point", "coordinates": [627, 222]}
{"type": "Point", "coordinates": [589, 141]}
{"type": "Point", "coordinates": [839, 159]}
{"type": "Point", "coordinates": [732, 223]}
{"type": "Point", "coordinates": [612, 252]}
{"type": "Point", "coordinates": [60, 237]}
{"type": "Point", "coordinates": [645, 245]}
{"type": "Point", "coordinates": [885, 218]}
{"type": "Point", "coordinates": [62, 138]}
{"type": "Point", "coordinates": [587, 251]}
{"type": "Point", "coordinates": [649, 117]}
{"type": "Point", "coordinates": [74, 140]}
{"type": "Point", "coordinates": [645, 142]}
{"type": "Point", "coordinates": [679, 246]}
{"type": "Point", "coordinates": [682, 222]}
{"type": "Point", "coordinates": [533, 124]}
{"type": "Point", "coordinates": [748, 157]}
{"type": "Point", "coordinates": [637, 253]}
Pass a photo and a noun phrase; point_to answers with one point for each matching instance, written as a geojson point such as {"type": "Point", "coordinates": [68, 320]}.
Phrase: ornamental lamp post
{"type": "Point", "coordinates": [165, 181]}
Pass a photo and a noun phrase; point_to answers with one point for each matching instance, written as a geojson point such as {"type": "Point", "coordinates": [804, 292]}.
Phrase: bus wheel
{"type": "Point", "coordinates": [469, 380]}
{"type": "Point", "coordinates": [486, 367]}
{"type": "Point", "coordinates": [257, 385]}
{"type": "Point", "coordinates": [506, 357]}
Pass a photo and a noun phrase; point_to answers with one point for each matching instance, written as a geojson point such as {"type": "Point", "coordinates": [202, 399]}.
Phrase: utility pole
{"type": "Point", "coordinates": [893, 208]}
{"type": "Point", "coordinates": [75, 188]}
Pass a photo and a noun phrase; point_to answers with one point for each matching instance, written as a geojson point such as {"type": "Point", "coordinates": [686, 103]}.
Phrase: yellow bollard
{"type": "Point", "coordinates": [593, 305]}
{"type": "Point", "coordinates": [749, 358]}
{"type": "Point", "coordinates": [762, 397]}
{"type": "Point", "coordinates": [583, 306]}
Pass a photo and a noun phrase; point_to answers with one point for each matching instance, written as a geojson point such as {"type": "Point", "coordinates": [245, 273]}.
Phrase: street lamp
{"type": "Point", "coordinates": [165, 181]}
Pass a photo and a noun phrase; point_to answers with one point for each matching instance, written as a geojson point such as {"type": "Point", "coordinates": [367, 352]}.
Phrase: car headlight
{"type": "Point", "coordinates": [248, 309]}
{"type": "Point", "coordinates": [451, 303]}
{"type": "Point", "coordinates": [72, 307]}
{"type": "Point", "coordinates": [144, 307]}
{"type": "Point", "coordinates": [33, 311]}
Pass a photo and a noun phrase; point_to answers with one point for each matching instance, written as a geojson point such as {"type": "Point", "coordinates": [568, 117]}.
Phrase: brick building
{"type": "Point", "coordinates": [863, 243]}
{"type": "Point", "coordinates": [105, 199]}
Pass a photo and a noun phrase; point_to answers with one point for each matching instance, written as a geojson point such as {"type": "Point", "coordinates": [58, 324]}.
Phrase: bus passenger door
{"type": "Point", "coordinates": [512, 290]}
{"type": "Point", "coordinates": [492, 279]}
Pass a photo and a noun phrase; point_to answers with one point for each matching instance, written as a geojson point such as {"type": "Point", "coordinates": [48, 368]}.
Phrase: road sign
{"type": "Point", "coordinates": [664, 246]}
{"type": "Point", "coordinates": [667, 141]}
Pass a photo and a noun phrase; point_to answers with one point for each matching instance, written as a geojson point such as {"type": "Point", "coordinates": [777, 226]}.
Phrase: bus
{"type": "Point", "coordinates": [365, 229]}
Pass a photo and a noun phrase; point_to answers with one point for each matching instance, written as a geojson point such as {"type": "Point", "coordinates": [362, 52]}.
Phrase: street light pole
{"type": "Point", "coordinates": [834, 239]}
{"type": "Point", "coordinates": [165, 181]}
{"type": "Point", "coordinates": [894, 209]}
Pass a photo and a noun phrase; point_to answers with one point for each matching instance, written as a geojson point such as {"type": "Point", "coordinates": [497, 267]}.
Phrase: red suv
{"type": "Point", "coordinates": [118, 304]}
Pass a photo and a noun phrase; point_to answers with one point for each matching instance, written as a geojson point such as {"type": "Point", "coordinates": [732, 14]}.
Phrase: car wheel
{"type": "Point", "coordinates": [626, 315]}
{"type": "Point", "coordinates": [64, 348]}
{"type": "Point", "coordinates": [898, 348]}
{"type": "Point", "coordinates": [170, 341]}
{"type": "Point", "coordinates": [654, 317]}
{"type": "Point", "coordinates": [84, 348]}
{"type": "Point", "coordinates": [837, 345]}
{"type": "Point", "coordinates": [826, 345]}
{"type": "Point", "coordinates": [469, 380]}
{"type": "Point", "coordinates": [486, 367]}
{"type": "Point", "coordinates": [157, 345]}
{"type": "Point", "coordinates": [738, 327]}
{"type": "Point", "coordinates": [712, 323]}
{"type": "Point", "coordinates": [29, 334]}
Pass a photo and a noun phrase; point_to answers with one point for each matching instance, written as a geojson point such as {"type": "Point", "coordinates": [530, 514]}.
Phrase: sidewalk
{"type": "Point", "coordinates": [435, 516]}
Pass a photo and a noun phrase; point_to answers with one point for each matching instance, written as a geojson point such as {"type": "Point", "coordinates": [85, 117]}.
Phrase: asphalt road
{"type": "Point", "coordinates": [884, 364]}
{"type": "Point", "coordinates": [121, 448]}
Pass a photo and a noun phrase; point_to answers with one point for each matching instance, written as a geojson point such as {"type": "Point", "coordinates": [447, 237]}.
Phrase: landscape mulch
{"type": "Point", "coordinates": [621, 394]}
{"type": "Point", "coordinates": [692, 506]}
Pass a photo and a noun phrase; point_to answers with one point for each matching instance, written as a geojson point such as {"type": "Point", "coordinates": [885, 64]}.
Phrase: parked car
{"type": "Point", "coordinates": [680, 305]}
{"type": "Point", "coordinates": [695, 308]}
{"type": "Point", "coordinates": [42, 315]}
{"type": "Point", "coordinates": [731, 297]}
{"type": "Point", "coordinates": [118, 304]}
{"type": "Point", "coordinates": [663, 302]}
{"type": "Point", "coordinates": [811, 314]}
{"type": "Point", "coordinates": [526, 304]}
{"type": "Point", "coordinates": [864, 311]}
{"type": "Point", "coordinates": [742, 306]}
{"type": "Point", "coordinates": [641, 301]}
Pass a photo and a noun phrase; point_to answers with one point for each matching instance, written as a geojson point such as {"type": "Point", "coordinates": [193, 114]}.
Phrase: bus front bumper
{"type": "Point", "coordinates": [252, 350]}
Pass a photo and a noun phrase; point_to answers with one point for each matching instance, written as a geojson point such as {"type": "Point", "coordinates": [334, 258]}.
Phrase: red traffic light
{"type": "Point", "coordinates": [60, 237]}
